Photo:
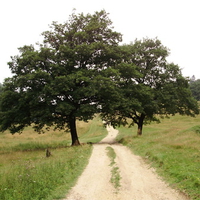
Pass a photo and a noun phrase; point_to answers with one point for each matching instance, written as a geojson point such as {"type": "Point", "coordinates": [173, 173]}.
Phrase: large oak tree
{"type": "Point", "coordinates": [58, 82]}
{"type": "Point", "coordinates": [149, 87]}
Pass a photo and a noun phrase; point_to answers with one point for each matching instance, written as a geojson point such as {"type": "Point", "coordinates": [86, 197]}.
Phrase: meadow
{"type": "Point", "coordinates": [173, 148]}
{"type": "Point", "coordinates": [26, 172]}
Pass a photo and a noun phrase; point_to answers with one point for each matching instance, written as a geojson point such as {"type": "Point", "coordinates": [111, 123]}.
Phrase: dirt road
{"type": "Point", "coordinates": [138, 181]}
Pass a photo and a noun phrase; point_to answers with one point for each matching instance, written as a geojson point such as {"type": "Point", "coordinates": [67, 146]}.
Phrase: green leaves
{"type": "Point", "coordinates": [80, 70]}
{"type": "Point", "coordinates": [148, 86]}
{"type": "Point", "coordinates": [60, 81]}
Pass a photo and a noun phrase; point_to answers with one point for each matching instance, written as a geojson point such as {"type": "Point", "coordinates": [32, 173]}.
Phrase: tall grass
{"type": "Point", "coordinates": [25, 172]}
{"type": "Point", "coordinates": [43, 178]}
{"type": "Point", "coordinates": [173, 147]}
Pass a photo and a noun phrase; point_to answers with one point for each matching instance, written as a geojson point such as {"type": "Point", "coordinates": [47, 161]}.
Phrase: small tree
{"type": "Point", "coordinates": [149, 87]}
{"type": "Point", "coordinates": [57, 84]}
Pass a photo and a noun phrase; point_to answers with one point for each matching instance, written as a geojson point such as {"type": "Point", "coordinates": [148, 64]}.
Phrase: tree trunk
{"type": "Point", "coordinates": [73, 131]}
{"type": "Point", "coordinates": [140, 124]}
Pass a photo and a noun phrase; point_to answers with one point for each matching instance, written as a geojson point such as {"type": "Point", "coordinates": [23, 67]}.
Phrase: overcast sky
{"type": "Point", "coordinates": [174, 22]}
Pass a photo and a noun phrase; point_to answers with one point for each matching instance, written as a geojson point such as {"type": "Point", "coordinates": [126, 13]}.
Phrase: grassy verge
{"type": "Point", "coordinates": [43, 178]}
{"type": "Point", "coordinates": [173, 147]}
{"type": "Point", "coordinates": [115, 176]}
{"type": "Point", "coordinates": [25, 172]}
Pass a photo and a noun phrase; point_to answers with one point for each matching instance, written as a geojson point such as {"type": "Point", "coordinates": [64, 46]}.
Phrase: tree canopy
{"type": "Point", "coordinates": [57, 84]}
{"type": "Point", "coordinates": [149, 86]}
{"type": "Point", "coordinates": [80, 70]}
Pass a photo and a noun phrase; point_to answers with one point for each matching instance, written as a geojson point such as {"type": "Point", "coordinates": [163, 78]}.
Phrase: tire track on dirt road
{"type": "Point", "coordinates": [138, 181]}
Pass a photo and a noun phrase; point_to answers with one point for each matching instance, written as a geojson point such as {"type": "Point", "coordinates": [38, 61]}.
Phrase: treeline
{"type": "Point", "coordinates": [195, 88]}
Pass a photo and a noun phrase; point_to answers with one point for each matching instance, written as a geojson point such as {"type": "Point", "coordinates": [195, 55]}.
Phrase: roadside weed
{"type": "Point", "coordinates": [115, 174]}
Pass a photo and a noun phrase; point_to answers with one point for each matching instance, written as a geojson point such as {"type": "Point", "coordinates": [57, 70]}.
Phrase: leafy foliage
{"type": "Point", "coordinates": [80, 70]}
{"type": "Point", "coordinates": [149, 86]}
{"type": "Point", "coordinates": [58, 83]}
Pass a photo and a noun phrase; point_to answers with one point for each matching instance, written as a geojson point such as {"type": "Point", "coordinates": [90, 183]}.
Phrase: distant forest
{"type": "Point", "coordinates": [195, 87]}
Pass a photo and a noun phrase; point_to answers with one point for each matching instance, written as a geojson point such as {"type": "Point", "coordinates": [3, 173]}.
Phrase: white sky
{"type": "Point", "coordinates": [174, 22]}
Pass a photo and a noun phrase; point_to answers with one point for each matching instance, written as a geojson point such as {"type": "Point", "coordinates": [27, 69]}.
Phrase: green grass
{"type": "Point", "coordinates": [38, 177]}
{"type": "Point", "coordinates": [115, 175]}
{"type": "Point", "coordinates": [173, 148]}
{"type": "Point", "coordinates": [25, 172]}
{"type": "Point", "coordinates": [95, 133]}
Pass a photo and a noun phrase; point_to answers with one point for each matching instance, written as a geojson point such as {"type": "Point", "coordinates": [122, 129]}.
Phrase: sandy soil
{"type": "Point", "coordinates": [138, 181]}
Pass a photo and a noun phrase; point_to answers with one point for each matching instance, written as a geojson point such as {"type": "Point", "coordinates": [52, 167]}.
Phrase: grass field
{"type": "Point", "coordinates": [173, 147]}
{"type": "Point", "coordinates": [25, 172]}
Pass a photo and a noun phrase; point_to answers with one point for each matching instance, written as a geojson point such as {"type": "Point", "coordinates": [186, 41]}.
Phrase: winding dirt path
{"type": "Point", "coordinates": [138, 181]}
